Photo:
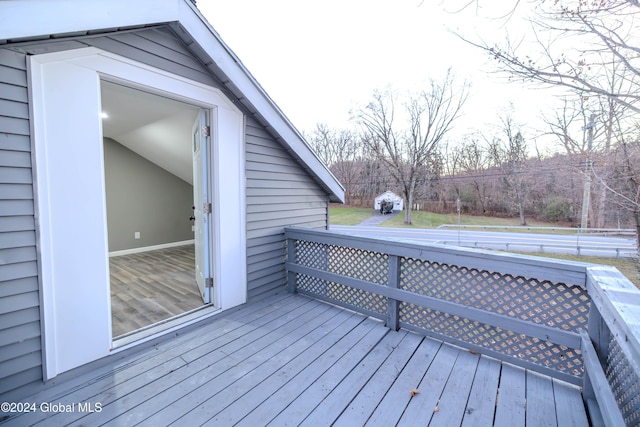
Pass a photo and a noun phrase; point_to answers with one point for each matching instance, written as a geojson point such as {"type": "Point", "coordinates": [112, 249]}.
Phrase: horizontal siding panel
{"type": "Point", "coordinates": [277, 192]}
{"type": "Point", "coordinates": [16, 191]}
{"type": "Point", "coordinates": [149, 42]}
{"type": "Point", "coordinates": [19, 333]}
{"type": "Point", "coordinates": [16, 207]}
{"type": "Point", "coordinates": [255, 129]}
{"type": "Point", "coordinates": [304, 200]}
{"type": "Point", "coordinates": [285, 185]}
{"type": "Point", "coordinates": [9, 175]}
{"type": "Point", "coordinates": [267, 258]}
{"type": "Point", "coordinates": [25, 347]}
{"type": "Point", "coordinates": [15, 126]}
{"type": "Point", "coordinates": [20, 364]}
{"type": "Point", "coordinates": [287, 215]}
{"type": "Point", "coordinates": [279, 204]}
{"type": "Point", "coordinates": [270, 167]}
{"type": "Point", "coordinates": [18, 159]}
{"type": "Point", "coordinates": [267, 240]}
{"type": "Point", "coordinates": [276, 247]}
{"type": "Point", "coordinates": [265, 263]}
{"type": "Point", "coordinates": [14, 143]}
{"type": "Point", "coordinates": [14, 109]}
{"type": "Point", "coordinates": [260, 229]}
{"type": "Point", "coordinates": [256, 152]}
{"type": "Point", "coordinates": [11, 304]}
{"type": "Point", "coordinates": [259, 277]}
{"type": "Point", "coordinates": [262, 140]}
{"type": "Point", "coordinates": [13, 59]}
{"type": "Point", "coordinates": [18, 270]}
{"type": "Point", "coordinates": [265, 289]}
{"type": "Point", "coordinates": [16, 223]}
{"type": "Point", "coordinates": [113, 45]}
{"type": "Point", "coordinates": [298, 220]}
{"type": "Point", "coordinates": [165, 37]}
{"type": "Point", "coordinates": [13, 92]}
{"type": "Point", "coordinates": [13, 76]}
{"type": "Point", "coordinates": [20, 379]}
{"type": "Point", "coordinates": [20, 317]}
{"type": "Point", "coordinates": [17, 255]}
{"type": "Point", "coordinates": [18, 286]}
{"type": "Point", "coordinates": [17, 239]}
{"type": "Point", "coordinates": [297, 176]}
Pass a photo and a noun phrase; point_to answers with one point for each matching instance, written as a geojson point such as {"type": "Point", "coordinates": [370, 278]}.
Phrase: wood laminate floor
{"type": "Point", "coordinates": [150, 287]}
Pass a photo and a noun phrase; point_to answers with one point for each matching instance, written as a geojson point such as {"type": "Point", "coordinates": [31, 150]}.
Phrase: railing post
{"type": "Point", "coordinates": [291, 257]}
{"type": "Point", "coordinates": [393, 315]}
{"type": "Point", "coordinates": [600, 337]}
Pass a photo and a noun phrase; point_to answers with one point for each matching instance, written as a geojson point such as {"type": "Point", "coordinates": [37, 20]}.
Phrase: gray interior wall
{"type": "Point", "coordinates": [144, 198]}
{"type": "Point", "coordinates": [279, 193]}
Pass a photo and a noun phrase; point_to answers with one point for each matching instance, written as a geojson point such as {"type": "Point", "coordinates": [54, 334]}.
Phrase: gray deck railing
{"type": "Point", "coordinates": [573, 321]}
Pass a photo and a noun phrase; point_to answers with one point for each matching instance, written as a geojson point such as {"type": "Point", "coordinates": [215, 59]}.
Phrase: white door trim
{"type": "Point", "coordinates": [67, 146]}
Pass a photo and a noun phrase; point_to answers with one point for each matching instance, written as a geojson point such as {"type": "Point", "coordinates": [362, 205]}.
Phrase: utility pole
{"type": "Point", "coordinates": [586, 195]}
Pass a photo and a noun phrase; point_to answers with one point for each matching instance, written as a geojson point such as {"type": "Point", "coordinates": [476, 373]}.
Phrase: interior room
{"type": "Point", "coordinates": [149, 175]}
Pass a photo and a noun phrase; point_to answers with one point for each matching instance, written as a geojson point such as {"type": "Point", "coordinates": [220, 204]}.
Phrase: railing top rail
{"type": "Point", "coordinates": [572, 272]}
{"type": "Point", "coordinates": [618, 302]}
{"type": "Point", "coordinates": [528, 227]}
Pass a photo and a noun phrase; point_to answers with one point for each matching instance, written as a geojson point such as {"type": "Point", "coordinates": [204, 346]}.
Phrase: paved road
{"type": "Point", "coordinates": [534, 242]}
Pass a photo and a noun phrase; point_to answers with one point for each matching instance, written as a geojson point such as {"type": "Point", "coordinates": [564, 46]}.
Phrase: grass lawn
{"type": "Point", "coordinates": [420, 219]}
{"type": "Point", "coordinates": [349, 216]}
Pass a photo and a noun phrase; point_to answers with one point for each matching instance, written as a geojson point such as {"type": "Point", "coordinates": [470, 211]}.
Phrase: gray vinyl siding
{"type": "Point", "coordinates": [20, 342]}
{"type": "Point", "coordinates": [279, 191]}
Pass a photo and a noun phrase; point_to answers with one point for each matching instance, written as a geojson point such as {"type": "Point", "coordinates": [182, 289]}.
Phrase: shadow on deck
{"type": "Point", "coordinates": [293, 360]}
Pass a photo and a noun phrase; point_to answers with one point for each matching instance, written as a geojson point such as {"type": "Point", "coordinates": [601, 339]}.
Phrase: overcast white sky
{"type": "Point", "coordinates": [318, 60]}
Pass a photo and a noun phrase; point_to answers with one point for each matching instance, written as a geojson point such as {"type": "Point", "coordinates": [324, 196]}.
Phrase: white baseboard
{"type": "Point", "coordinates": [151, 248]}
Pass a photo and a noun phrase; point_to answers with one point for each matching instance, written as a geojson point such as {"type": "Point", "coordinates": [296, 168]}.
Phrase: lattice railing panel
{"type": "Point", "coordinates": [624, 383]}
{"type": "Point", "coordinates": [359, 264]}
{"type": "Point", "coordinates": [356, 263]}
{"type": "Point", "coordinates": [339, 293]}
{"type": "Point", "coordinates": [556, 305]}
{"type": "Point", "coordinates": [526, 348]}
{"type": "Point", "coordinates": [552, 304]}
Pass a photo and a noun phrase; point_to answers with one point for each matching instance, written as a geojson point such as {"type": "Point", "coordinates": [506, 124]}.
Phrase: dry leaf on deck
{"type": "Point", "coordinates": [414, 392]}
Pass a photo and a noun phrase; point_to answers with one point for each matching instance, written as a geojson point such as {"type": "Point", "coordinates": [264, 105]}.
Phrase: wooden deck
{"type": "Point", "coordinates": [292, 360]}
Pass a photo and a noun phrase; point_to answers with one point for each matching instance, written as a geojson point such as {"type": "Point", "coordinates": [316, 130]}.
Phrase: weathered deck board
{"type": "Point", "coordinates": [422, 406]}
{"type": "Point", "coordinates": [511, 405]}
{"type": "Point", "coordinates": [372, 377]}
{"type": "Point", "coordinates": [291, 360]}
{"type": "Point", "coordinates": [482, 400]}
{"type": "Point", "coordinates": [567, 399]}
{"type": "Point", "coordinates": [541, 409]}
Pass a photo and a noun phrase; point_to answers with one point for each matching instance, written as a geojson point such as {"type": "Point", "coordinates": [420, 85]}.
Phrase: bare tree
{"type": "Point", "coordinates": [469, 162]}
{"type": "Point", "coordinates": [339, 150]}
{"type": "Point", "coordinates": [577, 46]}
{"type": "Point", "coordinates": [407, 150]}
{"type": "Point", "coordinates": [510, 154]}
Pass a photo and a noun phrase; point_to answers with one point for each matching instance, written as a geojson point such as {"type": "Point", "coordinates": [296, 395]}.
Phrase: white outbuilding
{"type": "Point", "coordinates": [389, 196]}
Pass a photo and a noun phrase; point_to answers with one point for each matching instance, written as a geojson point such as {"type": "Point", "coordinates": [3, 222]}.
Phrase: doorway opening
{"type": "Point", "coordinates": [157, 186]}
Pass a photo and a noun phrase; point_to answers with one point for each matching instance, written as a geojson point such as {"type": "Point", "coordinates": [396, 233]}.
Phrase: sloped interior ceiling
{"type": "Point", "coordinates": [157, 128]}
